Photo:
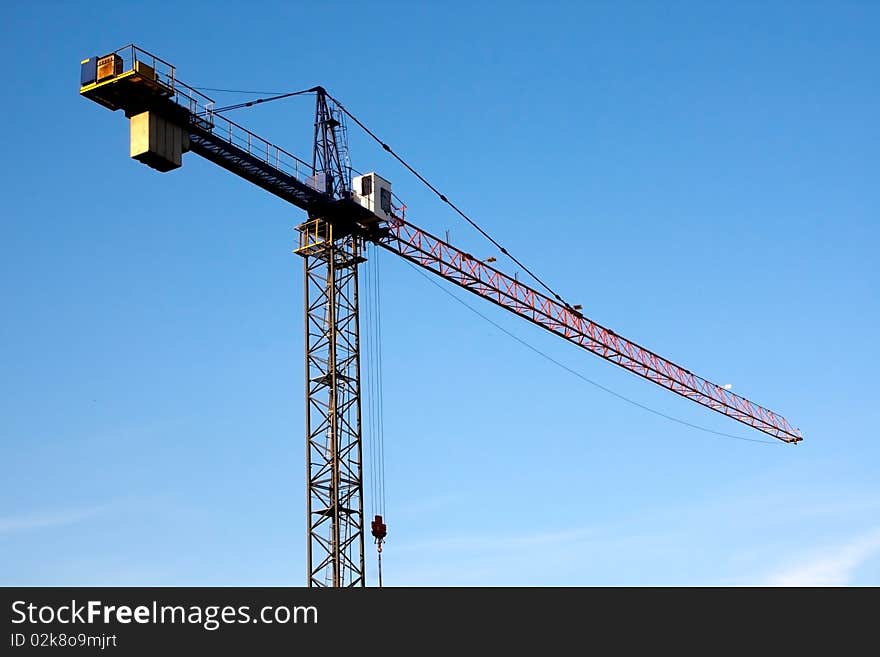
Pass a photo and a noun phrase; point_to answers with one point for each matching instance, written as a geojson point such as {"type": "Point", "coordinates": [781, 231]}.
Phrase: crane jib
{"type": "Point", "coordinates": [169, 118]}
{"type": "Point", "coordinates": [137, 86]}
{"type": "Point", "coordinates": [440, 257]}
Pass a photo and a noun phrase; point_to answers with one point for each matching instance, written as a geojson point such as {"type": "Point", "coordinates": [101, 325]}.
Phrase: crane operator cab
{"type": "Point", "coordinates": [373, 192]}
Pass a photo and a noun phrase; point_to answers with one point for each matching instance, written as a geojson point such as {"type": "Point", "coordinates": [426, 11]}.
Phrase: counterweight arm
{"type": "Point", "coordinates": [440, 257]}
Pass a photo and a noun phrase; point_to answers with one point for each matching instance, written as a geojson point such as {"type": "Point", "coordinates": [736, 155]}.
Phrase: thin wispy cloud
{"type": "Point", "coordinates": [834, 566]}
{"type": "Point", "coordinates": [48, 519]}
{"type": "Point", "coordinates": [504, 542]}
{"type": "Point", "coordinates": [475, 559]}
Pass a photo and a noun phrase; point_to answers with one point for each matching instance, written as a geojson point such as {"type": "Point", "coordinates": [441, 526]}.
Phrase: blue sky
{"type": "Point", "coordinates": [701, 177]}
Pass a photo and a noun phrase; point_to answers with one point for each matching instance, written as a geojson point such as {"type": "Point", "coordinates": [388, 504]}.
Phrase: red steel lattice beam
{"type": "Point", "coordinates": [433, 254]}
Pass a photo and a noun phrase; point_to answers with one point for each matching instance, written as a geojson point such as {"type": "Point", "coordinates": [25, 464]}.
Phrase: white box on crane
{"type": "Point", "coordinates": [157, 142]}
{"type": "Point", "coordinates": [374, 193]}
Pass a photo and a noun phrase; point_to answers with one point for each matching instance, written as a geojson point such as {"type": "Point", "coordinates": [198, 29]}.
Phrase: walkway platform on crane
{"type": "Point", "coordinates": [136, 81]}
{"type": "Point", "coordinates": [129, 79]}
{"type": "Point", "coordinates": [344, 218]}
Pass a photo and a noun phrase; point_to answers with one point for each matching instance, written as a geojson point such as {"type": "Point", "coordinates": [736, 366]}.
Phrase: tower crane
{"type": "Point", "coordinates": [344, 215]}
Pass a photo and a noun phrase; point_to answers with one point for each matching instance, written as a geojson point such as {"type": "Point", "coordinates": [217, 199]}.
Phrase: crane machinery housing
{"type": "Point", "coordinates": [169, 118]}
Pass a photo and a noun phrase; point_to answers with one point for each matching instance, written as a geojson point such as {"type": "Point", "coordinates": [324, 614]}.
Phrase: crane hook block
{"type": "Point", "coordinates": [378, 529]}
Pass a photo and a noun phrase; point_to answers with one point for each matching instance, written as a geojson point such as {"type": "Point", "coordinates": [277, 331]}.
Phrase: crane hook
{"type": "Point", "coordinates": [379, 531]}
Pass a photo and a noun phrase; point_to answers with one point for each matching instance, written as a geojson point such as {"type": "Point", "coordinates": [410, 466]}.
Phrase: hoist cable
{"type": "Point", "coordinates": [374, 392]}
{"type": "Point", "coordinates": [259, 101]}
{"type": "Point", "coordinates": [377, 403]}
{"type": "Point", "coordinates": [237, 91]}
{"type": "Point", "coordinates": [368, 387]}
{"type": "Point", "coordinates": [380, 385]}
{"type": "Point", "coordinates": [581, 376]}
{"type": "Point", "coordinates": [446, 200]}
{"type": "Point", "coordinates": [372, 383]}
{"type": "Point", "coordinates": [391, 151]}
{"type": "Point", "coordinates": [379, 557]}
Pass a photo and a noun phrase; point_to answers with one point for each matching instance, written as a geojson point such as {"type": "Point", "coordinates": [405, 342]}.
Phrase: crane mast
{"type": "Point", "coordinates": [168, 118]}
{"type": "Point", "coordinates": [334, 454]}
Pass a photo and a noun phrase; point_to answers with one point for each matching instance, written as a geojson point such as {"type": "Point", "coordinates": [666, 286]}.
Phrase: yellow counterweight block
{"type": "Point", "coordinates": [157, 142]}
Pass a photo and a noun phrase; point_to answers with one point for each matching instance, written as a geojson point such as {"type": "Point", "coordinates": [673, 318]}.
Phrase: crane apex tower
{"type": "Point", "coordinates": [345, 215]}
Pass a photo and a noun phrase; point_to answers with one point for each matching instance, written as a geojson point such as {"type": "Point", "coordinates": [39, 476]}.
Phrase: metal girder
{"type": "Point", "coordinates": [334, 458]}
{"type": "Point", "coordinates": [217, 149]}
{"type": "Point", "coordinates": [464, 270]}
{"type": "Point", "coordinates": [333, 415]}
{"type": "Point", "coordinates": [331, 244]}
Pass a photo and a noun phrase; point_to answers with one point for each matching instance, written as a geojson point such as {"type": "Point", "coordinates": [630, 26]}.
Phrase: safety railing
{"type": "Point", "coordinates": [314, 236]}
{"type": "Point", "coordinates": [255, 146]}
{"type": "Point", "coordinates": [203, 116]}
{"type": "Point", "coordinates": [134, 58]}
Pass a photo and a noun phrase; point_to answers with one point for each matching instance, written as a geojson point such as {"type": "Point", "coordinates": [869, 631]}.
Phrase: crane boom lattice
{"type": "Point", "coordinates": [169, 118]}
{"type": "Point", "coordinates": [476, 276]}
